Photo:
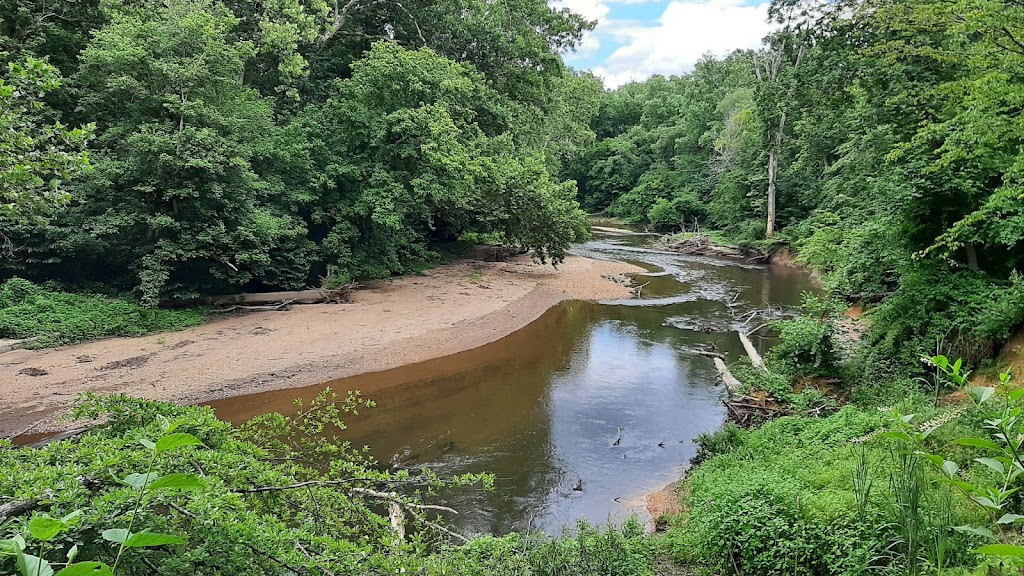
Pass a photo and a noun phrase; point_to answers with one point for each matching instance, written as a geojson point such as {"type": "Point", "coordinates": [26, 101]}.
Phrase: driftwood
{"type": "Point", "coordinates": [755, 357]}
{"type": "Point", "coordinates": [397, 507]}
{"type": "Point", "coordinates": [732, 385]}
{"type": "Point", "coordinates": [273, 301]}
{"type": "Point", "coordinates": [621, 231]}
{"type": "Point", "coordinates": [273, 307]}
{"type": "Point", "coordinates": [18, 507]}
{"type": "Point", "coordinates": [11, 509]}
{"type": "Point", "coordinates": [711, 354]}
{"type": "Point", "coordinates": [697, 244]}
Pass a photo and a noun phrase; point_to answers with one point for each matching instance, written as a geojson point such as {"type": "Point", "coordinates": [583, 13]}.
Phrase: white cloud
{"type": "Point", "coordinates": [589, 9]}
{"type": "Point", "coordinates": [683, 33]}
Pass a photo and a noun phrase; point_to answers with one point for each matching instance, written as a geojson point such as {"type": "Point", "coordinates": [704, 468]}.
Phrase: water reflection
{"type": "Point", "coordinates": [542, 409]}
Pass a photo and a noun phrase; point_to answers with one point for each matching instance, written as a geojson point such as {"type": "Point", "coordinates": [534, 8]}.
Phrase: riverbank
{"type": "Point", "coordinates": [391, 323]}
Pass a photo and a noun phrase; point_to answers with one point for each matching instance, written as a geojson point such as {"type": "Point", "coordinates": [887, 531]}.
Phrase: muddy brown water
{"type": "Point", "coordinates": [542, 408]}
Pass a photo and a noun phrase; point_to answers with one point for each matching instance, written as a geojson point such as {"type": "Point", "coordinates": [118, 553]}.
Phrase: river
{"type": "Point", "coordinates": [580, 413]}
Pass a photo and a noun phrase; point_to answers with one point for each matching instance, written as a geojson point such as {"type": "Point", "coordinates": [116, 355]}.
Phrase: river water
{"type": "Point", "coordinates": [542, 409]}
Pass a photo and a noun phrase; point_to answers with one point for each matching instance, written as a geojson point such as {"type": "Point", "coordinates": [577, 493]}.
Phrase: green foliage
{"type": "Point", "coordinates": [809, 345]}
{"type": "Point", "coordinates": [246, 145]}
{"type": "Point", "coordinates": [161, 488]}
{"type": "Point", "coordinates": [970, 311]}
{"type": "Point", "coordinates": [37, 155]}
{"type": "Point", "coordinates": [778, 500]}
{"type": "Point", "coordinates": [54, 318]}
{"type": "Point", "coordinates": [993, 489]}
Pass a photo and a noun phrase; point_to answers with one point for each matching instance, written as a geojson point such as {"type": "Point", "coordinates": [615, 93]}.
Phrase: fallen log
{"type": "Point", "coordinates": [313, 296]}
{"type": "Point", "coordinates": [755, 357]}
{"type": "Point", "coordinates": [274, 308]}
{"type": "Point", "coordinates": [732, 385]}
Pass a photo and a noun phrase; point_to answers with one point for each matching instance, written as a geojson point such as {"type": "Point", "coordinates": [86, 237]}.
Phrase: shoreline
{"type": "Point", "coordinates": [390, 323]}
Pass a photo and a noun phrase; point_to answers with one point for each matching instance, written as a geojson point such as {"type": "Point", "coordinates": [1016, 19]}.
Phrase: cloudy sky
{"type": "Point", "coordinates": [637, 38]}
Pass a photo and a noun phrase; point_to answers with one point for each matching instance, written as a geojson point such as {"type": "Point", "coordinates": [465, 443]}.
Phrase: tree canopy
{"type": "Point", "coordinates": [247, 145]}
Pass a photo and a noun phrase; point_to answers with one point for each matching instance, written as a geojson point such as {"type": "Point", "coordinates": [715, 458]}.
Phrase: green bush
{"type": "Point", "coordinates": [671, 215]}
{"type": "Point", "coordinates": [56, 318]}
{"type": "Point", "coordinates": [967, 312]}
{"type": "Point", "coordinates": [827, 496]}
{"type": "Point", "coordinates": [809, 346]}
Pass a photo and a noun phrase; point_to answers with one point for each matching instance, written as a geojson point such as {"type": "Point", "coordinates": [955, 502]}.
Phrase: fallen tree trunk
{"type": "Point", "coordinates": [732, 385]}
{"type": "Point", "coordinates": [755, 357]}
{"type": "Point", "coordinates": [313, 296]}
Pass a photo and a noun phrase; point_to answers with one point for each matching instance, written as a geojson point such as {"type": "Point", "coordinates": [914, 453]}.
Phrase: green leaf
{"type": "Point", "coordinates": [981, 394]}
{"type": "Point", "coordinates": [72, 553]}
{"type": "Point", "coordinates": [1010, 518]}
{"type": "Point", "coordinates": [139, 480]}
{"type": "Point", "coordinates": [950, 468]}
{"type": "Point", "coordinates": [1005, 550]}
{"type": "Point", "coordinates": [30, 565]}
{"type": "Point", "coordinates": [72, 517]}
{"type": "Point", "coordinates": [45, 528]}
{"type": "Point", "coordinates": [117, 535]}
{"type": "Point", "coordinates": [176, 440]}
{"type": "Point", "coordinates": [172, 426]}
{"type": "Point", "coordinates": [150, 539]}
{"type": "Point", "coordinates": [986, 502]}
{"type": "Point", "coordinates": [992, 463]}
{"type": "Point", "coordinates": [178, 482]}
{"type": "Point", "coordinates": [978, 443]}
{"type": "Point", "coordinates": [977, 531]}
{"type": "Point", "coordinates": [147, 443]}
{"type": "Point", "coordinates": [86, 569]}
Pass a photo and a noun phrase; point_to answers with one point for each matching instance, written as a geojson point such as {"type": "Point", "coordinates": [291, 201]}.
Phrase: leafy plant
{"type": "Point", "coordinates": [53, 317]}
{"type": "Point", "coordinates": [1001, 411]}
{"type": "Point", "coordinates": [44, 529]}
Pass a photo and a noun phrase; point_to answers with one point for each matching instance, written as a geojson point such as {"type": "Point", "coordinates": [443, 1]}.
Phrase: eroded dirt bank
{"type": "Point", "coordinates": [391, 323]}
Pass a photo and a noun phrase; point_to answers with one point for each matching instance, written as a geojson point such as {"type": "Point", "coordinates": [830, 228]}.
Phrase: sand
{"type": "Point", "coordinates": [391, 323]}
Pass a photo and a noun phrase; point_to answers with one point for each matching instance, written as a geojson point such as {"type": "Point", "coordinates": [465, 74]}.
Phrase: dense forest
{"type": "Point", "coordinates": [167, 150]}
{"type": "Point", "coordinates": [880, 141]}
{"type": "Point", "coordinates": [221, 146]}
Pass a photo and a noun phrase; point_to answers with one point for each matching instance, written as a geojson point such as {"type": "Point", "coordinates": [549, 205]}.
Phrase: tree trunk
{"type": "Point", "coordinates": [972, 255]}
{"type": "Point", "coordinates": [773, 168]}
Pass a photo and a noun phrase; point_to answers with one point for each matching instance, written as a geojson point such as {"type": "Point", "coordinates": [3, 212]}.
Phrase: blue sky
{"type": "Point", "coordinates": [637, 38]}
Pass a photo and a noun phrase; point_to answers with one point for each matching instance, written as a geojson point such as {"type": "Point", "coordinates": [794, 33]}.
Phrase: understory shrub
{"type": "Point", "coordinates": [967, 311]}
{"type": "Point", "coordinates": [808, 344]}
{"type": "Point", "coordinates": [55, 318]}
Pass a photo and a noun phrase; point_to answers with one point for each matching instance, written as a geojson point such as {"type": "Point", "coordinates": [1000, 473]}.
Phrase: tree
{"type": "Point", "coordinates": [177, 196]}
{"type": "Point", "coordinates": [775, 70]}
{"type": "Point", "coordinates": [37, 154]}
{"type": "Point", "coordinates": [406, 161]}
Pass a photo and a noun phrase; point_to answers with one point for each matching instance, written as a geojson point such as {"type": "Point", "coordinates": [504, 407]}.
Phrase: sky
{"type": "Point", "coordinates": [635, 39]}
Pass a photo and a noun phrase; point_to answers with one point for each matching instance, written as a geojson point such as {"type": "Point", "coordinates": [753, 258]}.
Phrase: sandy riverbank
{"type": "Point", "coordinates": [391, 323]}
